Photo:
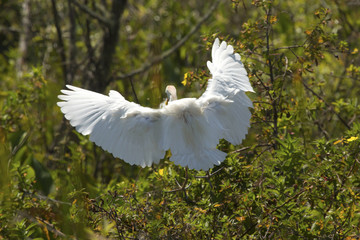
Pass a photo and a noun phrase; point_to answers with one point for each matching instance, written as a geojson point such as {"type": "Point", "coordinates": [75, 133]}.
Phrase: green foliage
{"type": "Point", "coordinates": [296, 176]}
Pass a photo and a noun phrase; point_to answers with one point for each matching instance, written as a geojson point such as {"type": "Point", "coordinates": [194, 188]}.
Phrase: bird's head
{"type": "Point", "coordinates": [171, 93]}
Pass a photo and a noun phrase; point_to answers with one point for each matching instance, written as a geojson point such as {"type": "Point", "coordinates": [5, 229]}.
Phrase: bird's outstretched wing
{"type": "Point", "coordinates": [224, 102]}
{"type": "Point", "coordinates": [221, 112]}
{"type": "Point", "coordinates": [125, 129]}
{"type": "Point", "coordinates": [228, 73]}
{"type": "Point", "coordinates": [189, 127]}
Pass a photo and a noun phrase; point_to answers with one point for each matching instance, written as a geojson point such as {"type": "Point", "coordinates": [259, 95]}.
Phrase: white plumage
{"type": "Point", "coordinates": [189, 127]}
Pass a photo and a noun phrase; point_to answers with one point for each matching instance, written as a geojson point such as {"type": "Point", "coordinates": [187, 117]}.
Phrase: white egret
{"type": "Point", "coordinates": [189, 127]}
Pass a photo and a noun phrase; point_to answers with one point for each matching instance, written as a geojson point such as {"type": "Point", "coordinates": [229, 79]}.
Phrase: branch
{"type": "Point", "coordinates": [91, 13]}
{"type": "Point", "coordinates": [133, 89]}
{"type": "Point", "coordinates": [275, 209]}
{"type": "Point", "coordinates": [209, 175]}
{"type": "Point", "coordinates": [268, 29]}
{"type": "Point", "coordinates": [46, 198]}
{"type": "Point", "coordinates": [41, 222]}
{"type": "Point", "coordinates": [50, 227]}
{"type": "Point", "coordinates": [265, 87]}
{"type": "Point", "coordinates": [288, 47]}
{"type": "Point", "coordinates": [272, 79]}
{"type": "Point", "coordinates": [168, 52]}
{"type": "Point", "coordinates": [109, 44]}
{"type": "Point", "coordinates": [61, 48]}
{"type": "Point", "coordinates": [328, 105]}
{"type": "Point", "coordinates": [278, 99]}
{"type": "Point", "coordinates": [72, 42]}
{"type": "Point", "coordinates": [90, 49]}
{"type": "Point", "coordinates": [247, 148]}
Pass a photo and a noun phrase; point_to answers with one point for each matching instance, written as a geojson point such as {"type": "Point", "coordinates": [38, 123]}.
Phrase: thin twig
{"type": "Point", "coordinates": [288, 47]}
{"type": "Point", "coordinates": [247, 148]}
{"type": "Point", "coordinates": [327, 104]}
{"type": "Point", "coordinates": [182, 187]}
{"type": "Point", "coordinates": [133, 89]}
{"type": "Point", "coordinates": [168, 52]}
{"type": "Point", "coordinates": [278, 99]}
{"type": "Point", "coordinates": [268, 29]}
{"type": "Point", "coordinates": [261, 102]}
{"type": "Point", "coordinates": [241, 149]}
{"type": "Point", "coordinates": [270, 213]}
{"type": "Point", "coordinates": [91, 13]}
{"type": "Point", "coordinates": [50, 227]}
{"type": "Point", "coordinates": [275, 110]}
{"type": "Point", "coordinates": [263, 121]}
{"type": "Point", "coordinates": [46, 198]}
{"type": "Point", "coordinates": [39, 221]}
{"type": "Point", "coordinates": [263, 84]}
{"type": "Point", "coordinates": [342, 182]}
{"type": "Point", "coordinates": [208, 175]}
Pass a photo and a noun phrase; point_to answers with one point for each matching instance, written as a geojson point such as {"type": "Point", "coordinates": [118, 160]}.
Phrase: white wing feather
{"type": "Point", "coordinates": [221, 112]}
{"type": "Point", "coordinates": [190, 128]}
{"type": "Point", "coordinates": [190, 137]}
{"type": "Point", "coordinates": [125, 129]}
{"type": "Point", "coordinates": [229, 82]}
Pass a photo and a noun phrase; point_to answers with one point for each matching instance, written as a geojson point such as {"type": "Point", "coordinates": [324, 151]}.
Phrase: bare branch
{"type": "Point", "coordinates": [209, 175]}
{"type": "Point", "coordinates": [133, 89]}
{"type": "Point", "coordinates": [328, 105]}
{"type": "Point", "coordinates": [168, 52]}
{"type": "Point", "coordinates": [275, 209]}
{"type": "Point", "coordinates": [263, 84]}
{"type": "Point", "coordinates": [272, 79]}
{"type": "Point", "coordinates": [91, 13]}
{"type": "Point", "coordinates": [288, 47]}
{"type": "Point", "coordinates": [268, 29]}
{"type": "Point", "coordinates": [247, 148]}
{"type": "Point", "coordinates": [283, 81]}
{"type": "Point", "coordinates": [50, 227]}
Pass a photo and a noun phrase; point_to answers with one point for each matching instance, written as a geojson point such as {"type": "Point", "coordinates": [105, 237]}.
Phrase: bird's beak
{"type": "Point", "coordinates": [166, 101]}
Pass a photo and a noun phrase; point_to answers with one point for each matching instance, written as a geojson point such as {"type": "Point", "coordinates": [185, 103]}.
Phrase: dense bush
{"type": "Point", "coordinates": [295, 176]}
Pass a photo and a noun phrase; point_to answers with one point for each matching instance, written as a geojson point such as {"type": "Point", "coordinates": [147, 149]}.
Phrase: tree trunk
{"type": "Point", "coordinates": [110, 40]}
{"type": "Point", "coordinates": [25, 36]}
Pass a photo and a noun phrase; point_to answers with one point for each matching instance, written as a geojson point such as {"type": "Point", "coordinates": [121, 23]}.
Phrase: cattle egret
{"type": "Point", "coordinates": [189, 127]}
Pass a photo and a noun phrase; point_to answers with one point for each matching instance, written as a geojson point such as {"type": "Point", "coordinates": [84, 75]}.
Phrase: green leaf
{"type": "Point", "coordinates": [43, 178]}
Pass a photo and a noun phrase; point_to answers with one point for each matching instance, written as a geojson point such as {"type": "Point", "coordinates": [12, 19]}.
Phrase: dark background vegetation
{"type": "Point", "coordinates": [296, 176]}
